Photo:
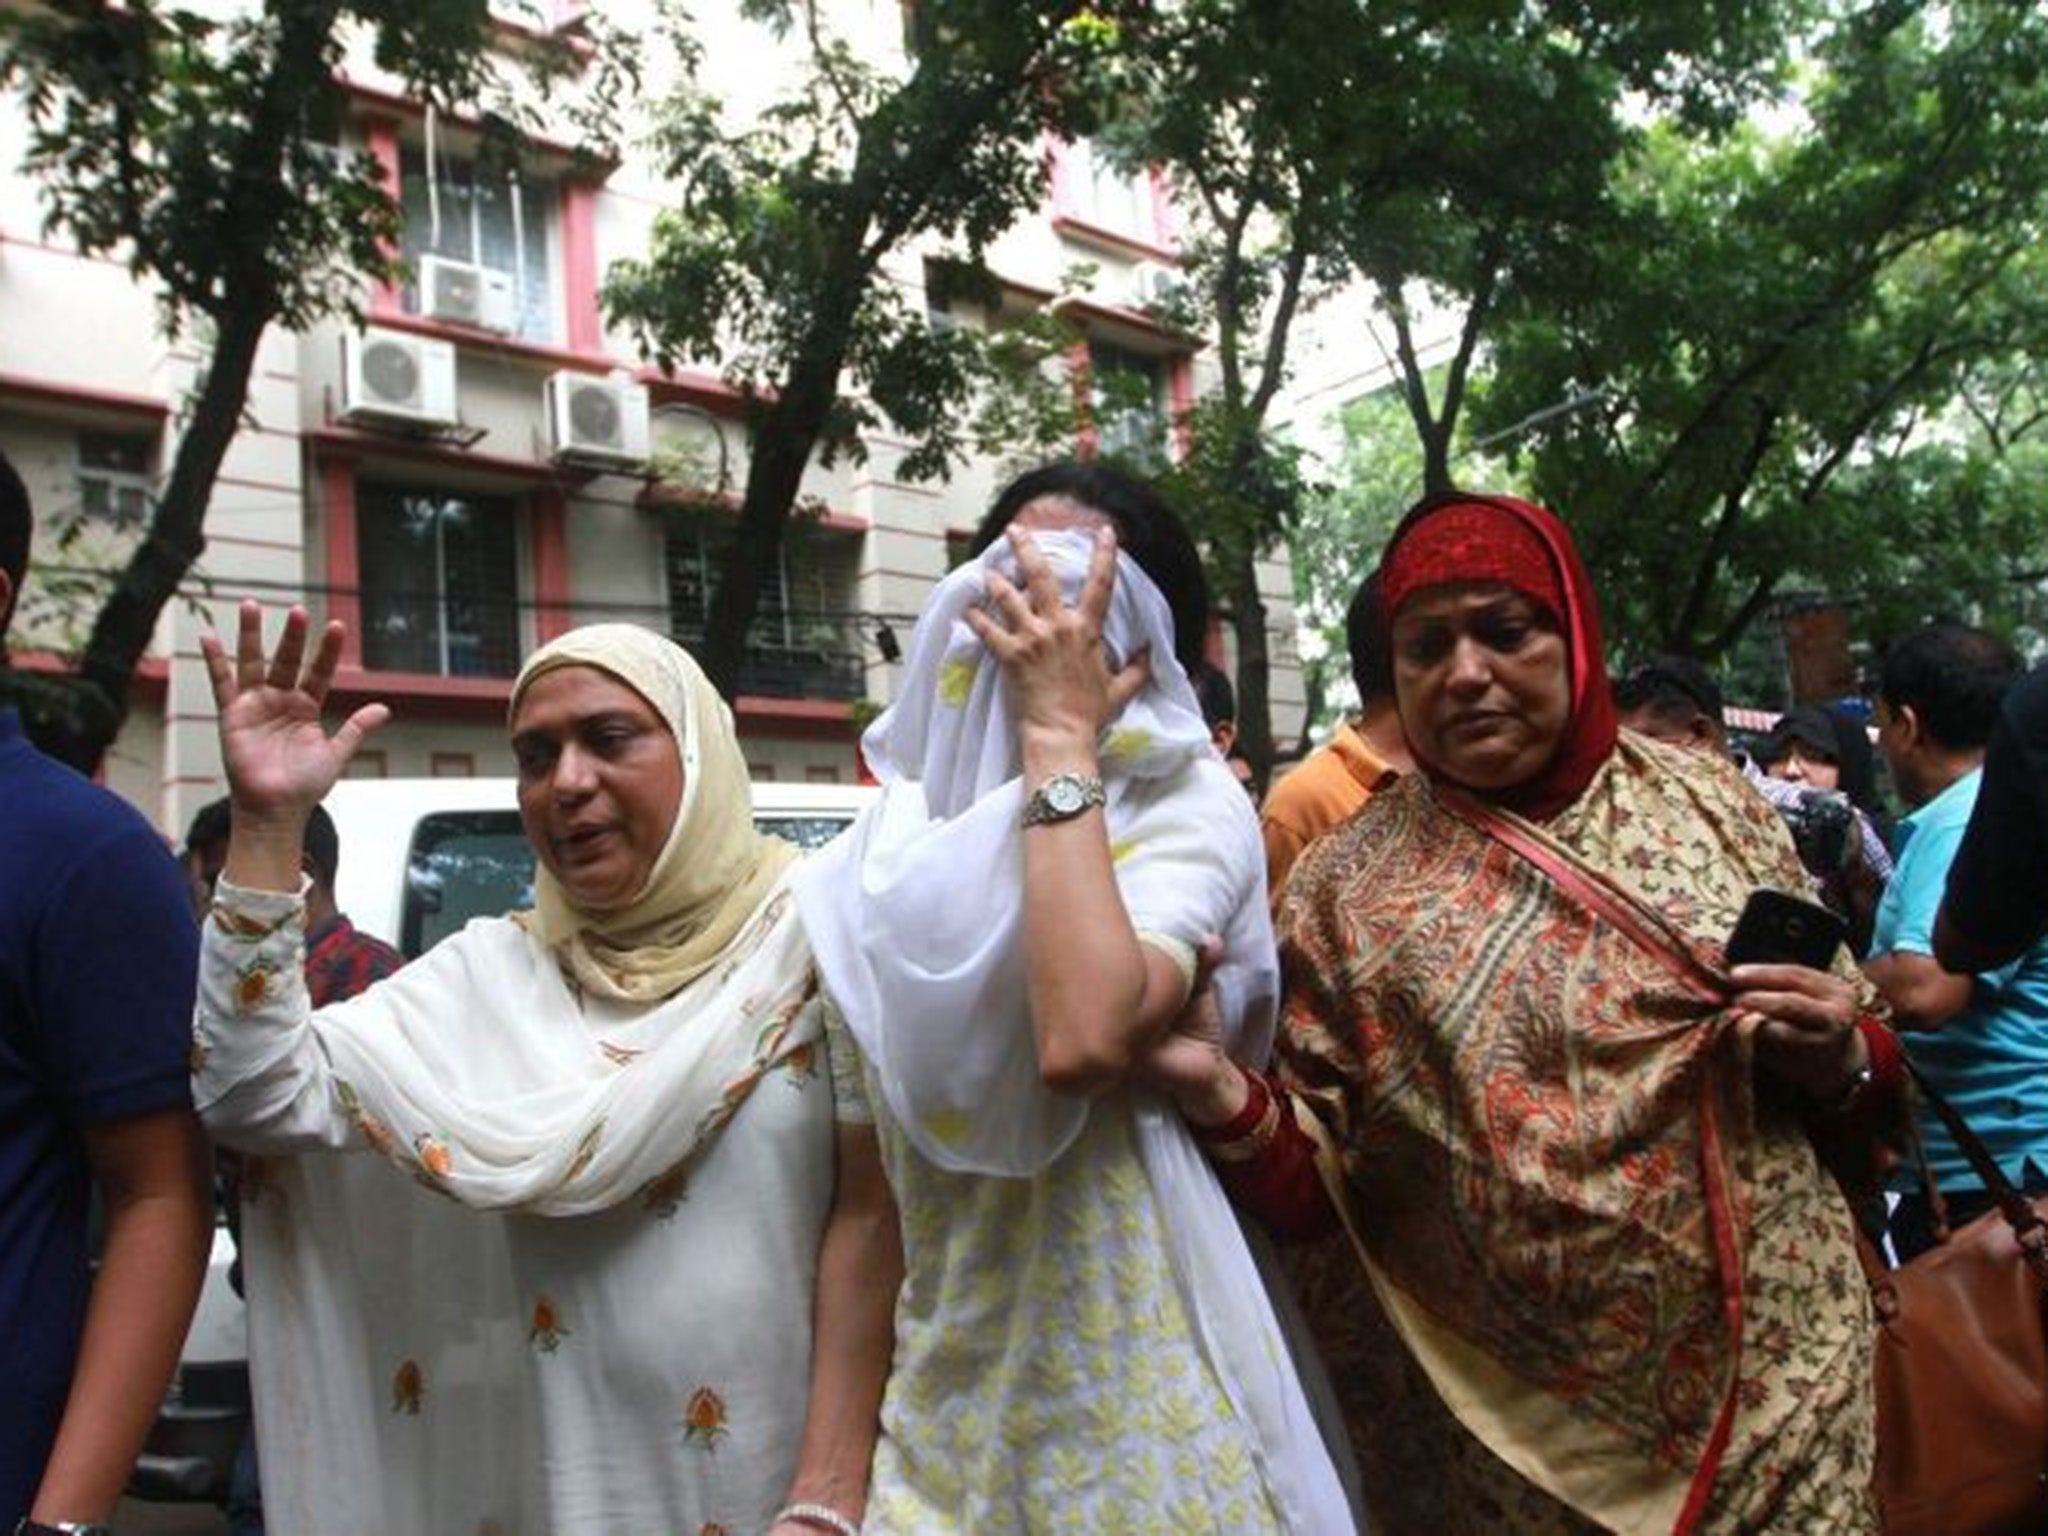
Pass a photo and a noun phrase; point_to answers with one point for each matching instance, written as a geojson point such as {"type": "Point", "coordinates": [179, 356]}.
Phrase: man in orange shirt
{"type": "Point", "coordinates": [1337, 778]}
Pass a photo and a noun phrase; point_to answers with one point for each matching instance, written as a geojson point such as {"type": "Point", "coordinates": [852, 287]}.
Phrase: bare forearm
{"type": "Point", "coordinates": [1922, 995]}
{"type": "Point", "coordinates": [1084, 967]}
{"type": "Point", "coordinates": [264, 852]}
{"type": "Point", "coordinates": [142, 1300]}
{"type": "Point", "coordinates": [860, 1267]}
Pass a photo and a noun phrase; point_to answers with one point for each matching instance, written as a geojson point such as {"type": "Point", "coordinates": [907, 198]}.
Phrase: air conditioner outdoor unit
{"type": "Point", "coordinates": [597, 421]}
{"type": "Point", "coordinates": [1153, 283]}
{"type": "Point", "coordinates": [391, 379]}
{"type": "Point", "coordinates": [467, 294]}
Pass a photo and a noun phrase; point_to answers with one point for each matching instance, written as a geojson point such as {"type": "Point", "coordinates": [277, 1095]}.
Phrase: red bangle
{"type": "Point", "coordinates": [1246, 1135]}
{"type": "Point", "coordinates": [1245, 1121]}
{"type": "Point", "coordinates": [1887, 1056]}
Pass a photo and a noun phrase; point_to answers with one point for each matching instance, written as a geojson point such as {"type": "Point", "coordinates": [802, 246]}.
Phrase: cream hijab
{"type": "Point", "coordinates": [714, 871]}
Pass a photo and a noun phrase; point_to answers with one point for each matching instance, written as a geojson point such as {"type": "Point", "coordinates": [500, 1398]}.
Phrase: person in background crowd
{"type": "Point", "coordinates": [205, 851]}
{"type": "Point", "coordinates": [605, 1253]}
{"type": "Point", "coordinates": [1807, 772]}
{"type": "Point", "coordinates": [1996, 905]}
{"type": "Point", "coordinates": [1674, 699]}
{"type": "Point", "coordinates": [1364, 756]}
{"type": "Point", "coordinates": [340, 962]}
{"type": "Point", "coordinates": [1614, 1285]}
{"type": "Point", "coordinates": [1981, 1040]}
{"type": "Point", "coordinates": [97, 956]}
{"type": "Point", "coordinates": [1219, 712]}
{"type": "Point", "coordinates": [1083, 1339]}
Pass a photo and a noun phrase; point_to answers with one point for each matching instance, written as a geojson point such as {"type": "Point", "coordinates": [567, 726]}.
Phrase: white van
{"type": "Point", "coordinates": [419, 859]}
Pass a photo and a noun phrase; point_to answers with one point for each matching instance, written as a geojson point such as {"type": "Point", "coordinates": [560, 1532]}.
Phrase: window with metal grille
{"type": "Point", "coordinates": [117, 477]}
{"type": "Point", "coordinates": [440, 581]}
{"type": "Point", "coordinates": [1127, 399]}
{"type": "Point", "coordinates": [489, 220]}
{"type": "Point", "coordinates": [805, 642]}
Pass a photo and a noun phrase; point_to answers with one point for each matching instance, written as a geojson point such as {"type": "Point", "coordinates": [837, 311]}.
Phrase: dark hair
{"type": "Point", "coordinates": [1803, 725]}
{"type": "Point", "coordinates": [1146, 529]}
{"type": "Point", "coordinates": [1953, 678]}
{"type": "Point", "coordinates": [16, 524]}
{"type": "Point", "coordinates": [1214, 693]}
{"type": "Point", "coordinates": [1365, 637]}
{"type": "Point", "coordinates": [1674, 688]}
{"type": "Point", "coordinates": [1857, 765]}
{"type": "Point", "coordinates": [321, 845]}
{"type": "Point", "coordinates": [210, 824]}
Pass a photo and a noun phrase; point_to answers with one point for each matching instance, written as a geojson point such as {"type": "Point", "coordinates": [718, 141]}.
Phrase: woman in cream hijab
{"type": "Point", "coordinates": [571, 1287]}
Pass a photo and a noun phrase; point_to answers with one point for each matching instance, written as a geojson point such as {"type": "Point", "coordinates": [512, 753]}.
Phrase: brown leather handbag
{"type": "Point", "coordinates": [1962, 1366]}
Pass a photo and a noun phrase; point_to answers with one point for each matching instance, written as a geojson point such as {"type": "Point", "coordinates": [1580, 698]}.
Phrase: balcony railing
{"type": "Point", "coordinates": [810, 657]}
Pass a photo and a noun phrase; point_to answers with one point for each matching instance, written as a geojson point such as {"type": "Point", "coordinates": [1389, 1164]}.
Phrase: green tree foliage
{"type": "Point", "coordinates": [1449, 151]}
{"type": "Point", "coordinates": [202, 152]}
{"type": "Point", "coordinates": [770, 264]}
{"type": "Point", "coordinates": [1785, 327]}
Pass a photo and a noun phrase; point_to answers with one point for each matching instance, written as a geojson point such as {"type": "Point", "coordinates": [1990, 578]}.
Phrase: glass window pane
{"type": "Point", "coordinates": [396, 535]}
{"type": "Point", "coordinates": [440, 582]}
{"type": "Point", "coordinates": [463, 864]}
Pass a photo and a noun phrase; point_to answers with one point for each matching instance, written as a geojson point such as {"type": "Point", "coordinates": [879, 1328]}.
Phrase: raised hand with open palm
{"type": "Point", "coordinates": [281, 760]}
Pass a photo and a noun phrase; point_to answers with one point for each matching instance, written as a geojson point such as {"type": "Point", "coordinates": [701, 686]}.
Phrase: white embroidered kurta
{"type": "Point", "coordinates": [637, 1362]}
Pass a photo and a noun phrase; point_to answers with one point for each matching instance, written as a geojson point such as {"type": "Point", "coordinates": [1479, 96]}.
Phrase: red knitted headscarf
{"type": "Point", "coordinates": [1461, 537]}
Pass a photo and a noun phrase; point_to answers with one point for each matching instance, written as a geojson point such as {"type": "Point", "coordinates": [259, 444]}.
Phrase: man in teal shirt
{"type": "Point", "coordinates": [1981, 1040]}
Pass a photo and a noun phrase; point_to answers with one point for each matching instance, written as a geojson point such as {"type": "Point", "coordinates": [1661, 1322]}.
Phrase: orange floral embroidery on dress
{"type": "Point", "coordinates": [547, 1330]}
{"type": "Point", "coordinates": [617, 1055]}
{"type": "Point", "coordinates": [252, 986]}
{"type": "Point", "coordinates": [713, 1528]}
{"type": "Point", "coordinates": [378, 1136]}
{"type": "Point", "coordinates": [408, 1388]}
{"type": "Point", "coordinates": [433, 1155]}
{"type": "Point", "coordinates": [665, 1191]}
{"type": "Point", "coordinates": [586, 1149]}
{"type": "Point", "coordinates": [802, 1064]}
{"type": "Point", "coordinates": [195, 1056]}
{"type": "Point", "coordinates": [704, 1418]}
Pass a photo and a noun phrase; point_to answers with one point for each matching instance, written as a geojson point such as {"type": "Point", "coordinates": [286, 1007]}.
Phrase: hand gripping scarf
{"type": "Point", "coordinates": [715, 869]}
{"type": "Point", "coordinates": [916, 920]}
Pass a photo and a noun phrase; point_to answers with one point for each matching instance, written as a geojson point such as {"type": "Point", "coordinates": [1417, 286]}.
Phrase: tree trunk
{"type": "Point", "coordinates": [788, 430]}
{"type": "Point", "coordinates": [176, 538]}
{"type": "Point", "coordinates": [1254, 667]}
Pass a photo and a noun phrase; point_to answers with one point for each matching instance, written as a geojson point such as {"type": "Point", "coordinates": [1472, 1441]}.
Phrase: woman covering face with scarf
{"type": "Point", "coordinates": [1082, 1336]}
{"type": "Point", "coordinates": [1610, 1285]}
{"type": "Point", "coordinates": [570, 1286]}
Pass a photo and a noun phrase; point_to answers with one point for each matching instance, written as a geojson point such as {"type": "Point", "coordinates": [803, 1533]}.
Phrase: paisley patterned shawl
{"type": "Point", "coordinates": [1615, 1258]}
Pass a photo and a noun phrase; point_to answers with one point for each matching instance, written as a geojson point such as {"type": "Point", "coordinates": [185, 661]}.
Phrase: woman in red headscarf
{"type": "Point", "coordinates": [1610, 1284]}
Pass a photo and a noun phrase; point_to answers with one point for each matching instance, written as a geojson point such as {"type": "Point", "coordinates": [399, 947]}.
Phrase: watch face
{"type": "Point", "coordinates": [1065, 795]}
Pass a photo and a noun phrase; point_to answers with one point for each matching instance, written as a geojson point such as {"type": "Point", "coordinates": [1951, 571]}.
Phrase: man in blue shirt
{"type": "Point", "coordinates": [98, 961]}
{"type": "Point", "coordinates": [1981, 1040]}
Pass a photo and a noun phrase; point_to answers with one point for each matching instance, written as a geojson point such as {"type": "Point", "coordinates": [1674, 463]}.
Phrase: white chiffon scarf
{"type": "Point", "coordinates": [915, 918]}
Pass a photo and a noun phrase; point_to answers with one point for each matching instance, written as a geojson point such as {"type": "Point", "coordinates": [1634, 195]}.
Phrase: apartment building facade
{"type": "Point", "coordinates": [484, 463]}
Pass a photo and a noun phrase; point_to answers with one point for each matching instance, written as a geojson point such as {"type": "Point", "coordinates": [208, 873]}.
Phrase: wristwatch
{"type": "Point", "coordinates": [29, 1527]}
{"type": "Point", "coordinates": [1061, 798]}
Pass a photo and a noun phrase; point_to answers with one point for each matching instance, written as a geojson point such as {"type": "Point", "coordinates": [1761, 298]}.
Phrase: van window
{"type": "Point", "coordinates": [807, 832]}
{"type": "Point", "coordinates": [466, 864]}
{"type": "Point", "coordinates": [463, 864]}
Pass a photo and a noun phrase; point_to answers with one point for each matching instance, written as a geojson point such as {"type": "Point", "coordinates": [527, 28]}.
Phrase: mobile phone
{"type": "Point", "coordinates": [1777, 929]}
